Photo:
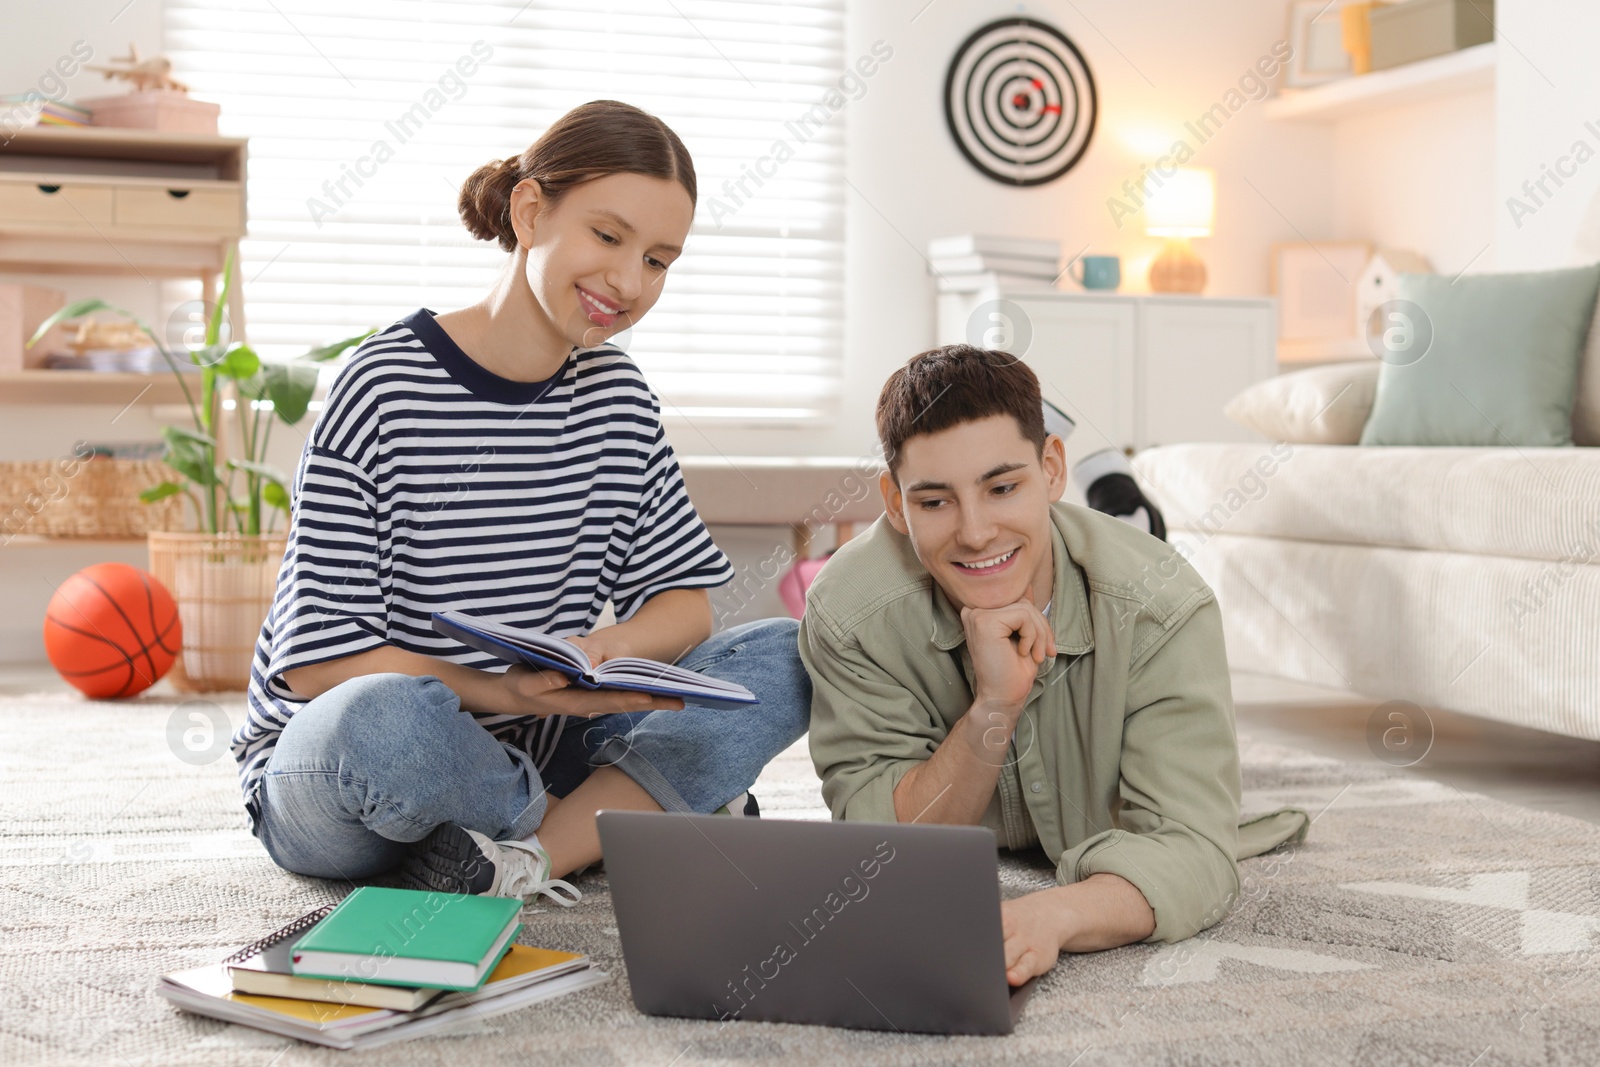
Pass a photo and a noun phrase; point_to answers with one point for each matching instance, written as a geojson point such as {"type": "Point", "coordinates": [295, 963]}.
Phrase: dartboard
{"type": "Point", "coordinates": [1020, 101]}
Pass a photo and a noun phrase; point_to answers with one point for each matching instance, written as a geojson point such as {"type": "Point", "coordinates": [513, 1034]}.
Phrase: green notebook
{"type": "Point", "coordinates": [409, 937]}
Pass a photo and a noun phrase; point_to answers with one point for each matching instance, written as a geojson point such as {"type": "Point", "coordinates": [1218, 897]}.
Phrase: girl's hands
{"type": "Point", "coordinates": [525, 691]}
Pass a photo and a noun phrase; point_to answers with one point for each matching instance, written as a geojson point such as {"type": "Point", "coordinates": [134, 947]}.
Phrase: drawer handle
{"type": "Point", "coordinates": [49, 188]}
{"type": "Point", "coordinates": [177, 194]}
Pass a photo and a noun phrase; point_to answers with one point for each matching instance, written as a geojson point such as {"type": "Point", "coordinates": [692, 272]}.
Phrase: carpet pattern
{"type": "Point", "coordinates": [1417, 925]}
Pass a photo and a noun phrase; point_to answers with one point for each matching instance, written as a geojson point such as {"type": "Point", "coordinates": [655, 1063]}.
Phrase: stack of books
{"type": "Point", "coordinates": [383, 965]}
{"type": "Point", "coordinates": [970, 262]}
{"type": "Point", "coordinates": [43, 110]}
{"type": "Point", "coordinates": [145, 360]}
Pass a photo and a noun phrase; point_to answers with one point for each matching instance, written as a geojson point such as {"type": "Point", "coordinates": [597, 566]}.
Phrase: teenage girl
{"type": "Point", "coordinates": [505, 461]}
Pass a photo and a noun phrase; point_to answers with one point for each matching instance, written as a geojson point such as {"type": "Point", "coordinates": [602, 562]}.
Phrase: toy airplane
{"type": "Point", "coordinates": [145, 74]}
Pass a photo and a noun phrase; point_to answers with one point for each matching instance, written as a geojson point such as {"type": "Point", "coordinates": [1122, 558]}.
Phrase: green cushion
{"type": "Point", "coordinates": [1502, 368]}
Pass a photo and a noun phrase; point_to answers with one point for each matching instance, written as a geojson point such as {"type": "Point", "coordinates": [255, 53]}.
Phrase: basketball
{"type": "Point", "coordinates": [112, 630]}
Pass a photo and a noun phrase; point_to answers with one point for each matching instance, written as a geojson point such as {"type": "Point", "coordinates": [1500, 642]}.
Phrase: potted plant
{"type": "Point", "coordinates": [224, 571]}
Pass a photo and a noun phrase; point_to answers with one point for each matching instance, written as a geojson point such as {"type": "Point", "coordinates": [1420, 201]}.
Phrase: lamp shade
{"type": "Point", "coordinates": [1182, 204]}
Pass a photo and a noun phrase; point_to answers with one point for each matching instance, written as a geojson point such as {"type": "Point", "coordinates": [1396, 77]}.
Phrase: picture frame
{"type": "Point", "coordinates": [1316, 33]}
{"type": "Point", "coordinates": [1315, 284]}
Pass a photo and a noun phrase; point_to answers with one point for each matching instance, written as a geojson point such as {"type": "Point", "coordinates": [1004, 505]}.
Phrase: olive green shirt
{"type": "Point", "coordinates": [1125, 758]}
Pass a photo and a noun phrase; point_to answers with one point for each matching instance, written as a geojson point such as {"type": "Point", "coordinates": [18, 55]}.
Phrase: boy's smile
{"type": "Point", "coordinates": [975, 501]}
{"type": "Point", "coordinates": [992, 565]}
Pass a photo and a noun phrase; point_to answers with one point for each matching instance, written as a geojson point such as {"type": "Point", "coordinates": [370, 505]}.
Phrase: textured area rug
{"type": "Point", "coordinates": [1417, 925]}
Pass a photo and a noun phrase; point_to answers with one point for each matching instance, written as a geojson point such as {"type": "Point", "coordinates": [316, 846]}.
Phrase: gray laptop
{"type": "Point", "coordinates": [875, 926]}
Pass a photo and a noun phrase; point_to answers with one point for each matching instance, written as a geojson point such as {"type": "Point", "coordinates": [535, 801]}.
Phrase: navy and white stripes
{"type": "Point", "coordinates": [430, 483]}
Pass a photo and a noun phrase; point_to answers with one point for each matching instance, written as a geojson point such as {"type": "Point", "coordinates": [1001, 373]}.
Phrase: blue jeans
{"type": "Point", "coordinates": [378, 761]}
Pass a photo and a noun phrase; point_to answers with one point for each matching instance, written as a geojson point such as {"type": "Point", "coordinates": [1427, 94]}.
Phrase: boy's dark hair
{"type": "Point", "coordinates": [944, 387]}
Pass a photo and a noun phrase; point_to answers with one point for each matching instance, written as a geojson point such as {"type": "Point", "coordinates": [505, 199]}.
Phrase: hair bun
{"type": "Point", "coordinates": [485, 202]}
{"type": "Point", "coordinates": [591, 141]}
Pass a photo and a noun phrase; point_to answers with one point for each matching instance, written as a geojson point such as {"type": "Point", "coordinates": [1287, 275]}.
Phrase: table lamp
{"type": "Point", "coordinates": [1178, 207]}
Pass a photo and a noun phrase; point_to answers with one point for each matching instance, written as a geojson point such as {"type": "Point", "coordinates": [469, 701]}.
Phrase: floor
{"type": "Point", "coordinates": [1530, 768]}
{"type": "Point", "coordinates": [1420, 924]}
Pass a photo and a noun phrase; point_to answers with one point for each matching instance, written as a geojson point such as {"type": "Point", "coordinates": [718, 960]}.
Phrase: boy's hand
{"type": "Point", "coordinates": [1031, 926]}
{"type": "Point", "coordinates": [1007, 646]}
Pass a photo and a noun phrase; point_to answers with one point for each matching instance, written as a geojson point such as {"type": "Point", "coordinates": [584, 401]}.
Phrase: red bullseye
{"type": "Point", "coordinates": [112, 630]}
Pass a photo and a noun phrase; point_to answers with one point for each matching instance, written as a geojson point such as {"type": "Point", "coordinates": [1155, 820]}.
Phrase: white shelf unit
{"type": "Point", "coordinates": [1135, 370]}
{"type": "Point", "coordinates": [1446, 75]}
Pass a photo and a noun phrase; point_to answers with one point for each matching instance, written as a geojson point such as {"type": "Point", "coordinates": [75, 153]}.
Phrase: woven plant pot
{"type": "Point", "coordinates": [223, 584]}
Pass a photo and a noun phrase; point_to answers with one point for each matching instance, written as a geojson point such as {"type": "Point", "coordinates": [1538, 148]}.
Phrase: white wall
{"type": "Point", "coordinates": [1157, 64]}
{"type": "Point", "coordinates": [1548, 89]}
{"type": "Point", "coordinates": [1421, 178]}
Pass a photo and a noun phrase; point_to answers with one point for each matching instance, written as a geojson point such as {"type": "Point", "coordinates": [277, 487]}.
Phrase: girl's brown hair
{"type": "Point", "coordinates": [591, 141]}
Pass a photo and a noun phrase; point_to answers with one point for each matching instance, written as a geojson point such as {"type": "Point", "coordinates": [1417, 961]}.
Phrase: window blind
{"type": "Point", "coordinates": [364, 119]}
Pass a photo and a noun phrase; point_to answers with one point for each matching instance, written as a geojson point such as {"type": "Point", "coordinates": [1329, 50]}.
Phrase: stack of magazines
{"type": "Point", "coordinates": [347, 1005]}
{"type": "Point", "coordinates": [42, 110]}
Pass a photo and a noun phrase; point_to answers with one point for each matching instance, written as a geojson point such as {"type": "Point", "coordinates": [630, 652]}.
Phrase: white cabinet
{"type": "Point", "coordinates": [1134, 371]}
{"type": "Point", "coordinates": [1196, 355]}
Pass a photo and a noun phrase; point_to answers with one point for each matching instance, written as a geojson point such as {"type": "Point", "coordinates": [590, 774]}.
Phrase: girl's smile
{"type": "Point", "coordinates": [597, 259]}
{"type": "Point", "coordinates": [598, 311]}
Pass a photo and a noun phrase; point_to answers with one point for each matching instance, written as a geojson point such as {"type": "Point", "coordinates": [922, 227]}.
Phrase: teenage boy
{"type": "Point", "coordinates": [984, 655]}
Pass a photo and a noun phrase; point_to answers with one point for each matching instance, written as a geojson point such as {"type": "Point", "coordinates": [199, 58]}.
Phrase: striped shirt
{"type": "Point", "coordinates": [430, 483]}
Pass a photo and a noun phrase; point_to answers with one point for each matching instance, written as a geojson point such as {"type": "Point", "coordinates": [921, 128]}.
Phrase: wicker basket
{"type": "Point", "coordinates": [223, 584]}
{"type": "Point", "coordinates": [97, 497]}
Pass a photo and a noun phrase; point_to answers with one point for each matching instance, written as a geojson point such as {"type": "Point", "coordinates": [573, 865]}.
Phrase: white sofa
{"type": "Point", "coordinates": [1462, 578]}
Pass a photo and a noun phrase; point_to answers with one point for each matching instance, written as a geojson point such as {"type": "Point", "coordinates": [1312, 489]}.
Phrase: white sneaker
{"type": "Point", "coordinates": [453, 859]}
{"type": "Point", "coordinates": [742, 806]}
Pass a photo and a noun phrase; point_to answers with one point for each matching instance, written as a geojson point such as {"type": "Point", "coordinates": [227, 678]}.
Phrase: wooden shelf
{"type": "Point", "coordinates": [90, 387]}
{"type": "Point", "coordinates": [115, 142]}
{"type": "Point", "coordinates": [34, 541]}
{"type": "Point", "coordinates": [1367, 94]}
{"type": "Point", "coordinates": [107, 201]}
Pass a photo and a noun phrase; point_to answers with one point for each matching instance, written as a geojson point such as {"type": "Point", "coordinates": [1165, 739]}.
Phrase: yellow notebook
{"type": "Point", "coordinates": [522, 965]}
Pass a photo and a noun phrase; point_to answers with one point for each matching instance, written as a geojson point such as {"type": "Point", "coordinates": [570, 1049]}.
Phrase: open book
{"type": "Point", "coordinates": [543, 652]}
